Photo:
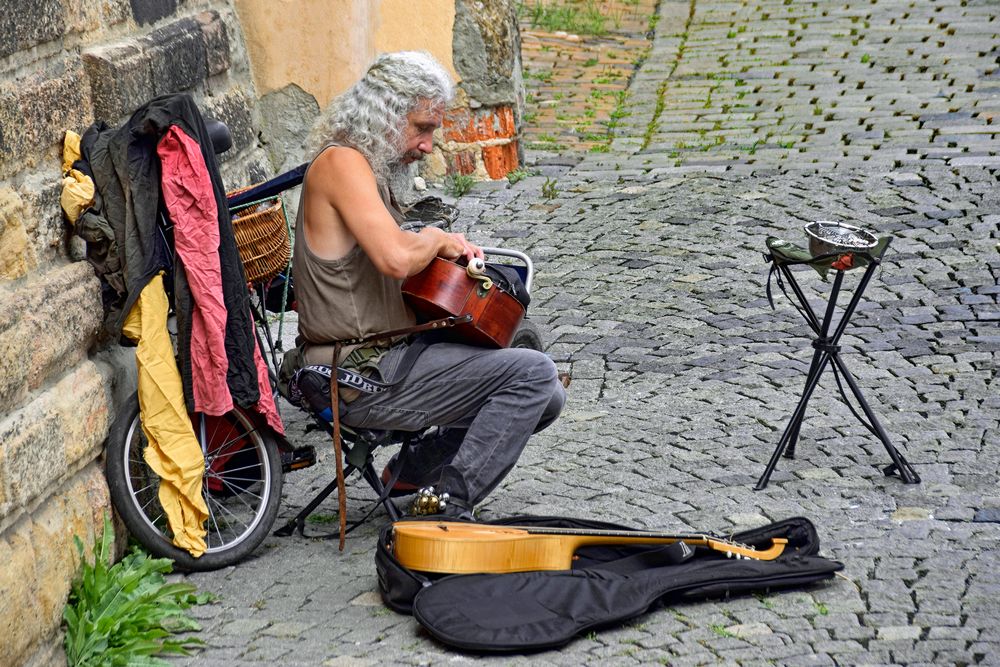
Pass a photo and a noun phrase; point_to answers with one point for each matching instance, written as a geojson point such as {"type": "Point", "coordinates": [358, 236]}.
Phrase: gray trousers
{"type": "Point", "coordinates": [488, 401]}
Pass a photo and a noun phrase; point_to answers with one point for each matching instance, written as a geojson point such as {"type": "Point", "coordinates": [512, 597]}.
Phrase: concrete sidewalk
{"type": "Point", "coordinates": [748, 119]}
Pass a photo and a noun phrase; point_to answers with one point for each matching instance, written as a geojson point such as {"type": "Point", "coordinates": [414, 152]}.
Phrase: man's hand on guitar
{"type": "Point", "coordinates": [456, 245]}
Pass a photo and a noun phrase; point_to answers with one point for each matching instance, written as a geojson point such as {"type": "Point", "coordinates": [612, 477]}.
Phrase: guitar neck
{"type": "Point", "coordinates": [582, 538]}
{"type": "Point", "coordinates": [690, 538]}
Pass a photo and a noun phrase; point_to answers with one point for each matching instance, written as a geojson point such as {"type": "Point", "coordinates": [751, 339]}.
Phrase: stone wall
{"type": "Point", "coordinates": [65, 64]}
{"type": "Point", "coordinates": [480, 134]}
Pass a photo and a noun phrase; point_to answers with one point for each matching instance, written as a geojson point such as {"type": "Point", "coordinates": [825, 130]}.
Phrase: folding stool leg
{"type": "Point", "coordinates": [794, 423]}
{"type": "Point", "coordinates": [899, 465]}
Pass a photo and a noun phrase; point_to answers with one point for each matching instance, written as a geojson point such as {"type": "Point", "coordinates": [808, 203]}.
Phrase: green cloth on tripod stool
{"type": "Point", "coordinates": [786, 252]}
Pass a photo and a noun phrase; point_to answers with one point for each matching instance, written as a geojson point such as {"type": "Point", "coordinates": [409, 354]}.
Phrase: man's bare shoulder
{"type": "Point", "coordinates": [342, 177]}
{"type": "Point", "coordinates": [342, 162]}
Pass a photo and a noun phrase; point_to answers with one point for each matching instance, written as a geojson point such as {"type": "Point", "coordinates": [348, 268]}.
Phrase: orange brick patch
{"type": "Point", "coordinates": [469, 126]}
{"type": "Point", "coordinates": [461, 162]}
{"type": "Point", "coordinates": [500, 160]}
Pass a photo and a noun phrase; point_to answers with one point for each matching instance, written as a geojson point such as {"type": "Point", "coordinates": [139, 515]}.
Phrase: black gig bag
{"type": "Point", "coordinates": [531, 611]}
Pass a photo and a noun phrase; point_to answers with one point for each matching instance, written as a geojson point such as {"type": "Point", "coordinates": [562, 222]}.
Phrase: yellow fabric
{"type": "Point", "coordinates": [78, 188]}
{"type": "Point", "coordinates": [71, 149]}
{"type": "Point", "coordinates": [77, 194]}
{"type": "Point", "coordinates": [173, 451]}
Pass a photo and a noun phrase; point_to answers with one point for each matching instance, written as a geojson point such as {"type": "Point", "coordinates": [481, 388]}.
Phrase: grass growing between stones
{"type": "Point", "coordinates": [578, 108]}
{"type": "Point", "coordinates": [584, 17]}
{"type": "Point", "coordinates": [127, 614]}
{"type": "Point", "coordinates": [459, 184]}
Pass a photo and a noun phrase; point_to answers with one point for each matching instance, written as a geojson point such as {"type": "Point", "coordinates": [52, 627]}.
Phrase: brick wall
{"type": "Point", "coordinates": [65, 64]}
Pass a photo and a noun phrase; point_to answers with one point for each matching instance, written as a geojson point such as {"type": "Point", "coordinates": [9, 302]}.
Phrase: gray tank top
{"type": "Point", "coordinates": [346, 297]}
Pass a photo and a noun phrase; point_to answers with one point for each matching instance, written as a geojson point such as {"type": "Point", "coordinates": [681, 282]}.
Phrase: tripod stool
{"type": "Point", "coordinates": [783, 255]}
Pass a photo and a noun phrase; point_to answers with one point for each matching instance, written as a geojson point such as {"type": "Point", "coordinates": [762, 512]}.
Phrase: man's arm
{"type": "Point", "coordinates": [343, 208]}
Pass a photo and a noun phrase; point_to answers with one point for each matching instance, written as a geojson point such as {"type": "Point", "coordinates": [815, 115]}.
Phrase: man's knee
{"type": "Point", "coordinates": [543, 377]}
{"type": "Point", "coordinates": [535, 367]}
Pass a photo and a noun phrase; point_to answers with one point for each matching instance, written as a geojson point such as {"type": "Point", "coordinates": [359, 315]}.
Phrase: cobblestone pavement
{"type": "Point", "coordinates": [651, 292]}
{"type": "Point", "coordinates": [577, 84]}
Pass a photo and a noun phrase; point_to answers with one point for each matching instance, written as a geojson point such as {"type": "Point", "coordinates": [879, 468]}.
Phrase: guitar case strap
{"type": "Point", "coordinates": [533, 611]}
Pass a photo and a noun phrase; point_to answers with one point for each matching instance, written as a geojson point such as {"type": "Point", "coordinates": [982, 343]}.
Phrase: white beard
{"type": "Point", "coordinates": [400, 181]}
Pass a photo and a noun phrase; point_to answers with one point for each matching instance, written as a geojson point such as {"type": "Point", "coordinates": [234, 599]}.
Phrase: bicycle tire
{"type": "Point", "coordinates": [528, 336]}
{"type": "Point", "coordinates": [244, 448]}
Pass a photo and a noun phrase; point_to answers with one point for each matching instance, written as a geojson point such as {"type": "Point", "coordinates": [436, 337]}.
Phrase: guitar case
{"type": "Point", "coordinates": [533, 611]}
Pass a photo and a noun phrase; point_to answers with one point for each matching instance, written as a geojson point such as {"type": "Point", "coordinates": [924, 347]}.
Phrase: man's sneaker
{"type": "Point", "coordinates": [425, 458]}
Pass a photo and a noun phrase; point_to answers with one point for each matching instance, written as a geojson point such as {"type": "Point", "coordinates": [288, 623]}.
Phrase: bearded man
{"type": "Point", "coordinates": [350, 259]}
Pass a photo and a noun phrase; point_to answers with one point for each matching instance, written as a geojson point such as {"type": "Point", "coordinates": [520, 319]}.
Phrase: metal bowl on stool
{"type": "Point", "coordinates": [827, 237]}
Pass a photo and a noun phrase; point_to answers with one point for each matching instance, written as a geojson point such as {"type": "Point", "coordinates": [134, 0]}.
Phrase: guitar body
{"type": "Point", "coordinates": [467, 548]}
{"type": "Point", "coordinates": [444, 289]}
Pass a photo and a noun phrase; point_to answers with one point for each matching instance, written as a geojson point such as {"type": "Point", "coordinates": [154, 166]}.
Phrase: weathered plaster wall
{"type": "Point", "coordinates": [306, 52]}
{"type": "Point", "coordinates": [63, 65]}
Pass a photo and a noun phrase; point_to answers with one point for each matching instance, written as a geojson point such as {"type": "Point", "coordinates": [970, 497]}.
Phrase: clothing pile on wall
{"type": "Point", "coordinates": [148, 199]}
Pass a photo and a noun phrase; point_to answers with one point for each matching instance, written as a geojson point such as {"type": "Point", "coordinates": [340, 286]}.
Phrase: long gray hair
{"type": "Point", "coordinates": [371, 116]}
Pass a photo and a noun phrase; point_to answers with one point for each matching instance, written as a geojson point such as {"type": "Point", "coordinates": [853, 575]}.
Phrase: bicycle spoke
{"type": "Point", "coordinates": [229, 447]}
{"type": "Point", "coordinates": [239, 493]}
{"type": "Point", "coordinates": [230, 470]}
{"type": "Point", "coordinates": [212, 521]}
{"type": "Point", "coordinates": [233, 478]}
{"type": "Point", "coordinates": [136, 492]}
{"type": "Point", "coordinates": [233, 515]}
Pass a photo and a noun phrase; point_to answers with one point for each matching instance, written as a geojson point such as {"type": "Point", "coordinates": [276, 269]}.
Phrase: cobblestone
{"type": "Point", "coordinates": [651, 291]}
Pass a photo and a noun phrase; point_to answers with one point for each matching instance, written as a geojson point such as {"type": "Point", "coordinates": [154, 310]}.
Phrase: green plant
{"type": "Point", "coordinates": [544, 75]}
{"type": "Point", "coordinates": [549, 189]}
{"type": "Point", "coordinates": [721, 631]}
{"type": "Point", "coordinates": [764, 600]}
{"type": "Point", "coordinates": [590, 62]}
{"type": "Point", "coordinates": [865, 58]}
{"type": "Point", "coordinates": [126, 614]}
{"type": "Point", "coordinates": [458, 184]}
{"type": "Point", "coordinates": [517, 175]}
{"type": "Point", "coordinates": [822, 609]}
{"type": "Point", "coordinates": [321, 518]}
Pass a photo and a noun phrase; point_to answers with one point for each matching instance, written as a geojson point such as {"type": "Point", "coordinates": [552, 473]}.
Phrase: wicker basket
{"type": "Point", "coordinates": [262, 238]}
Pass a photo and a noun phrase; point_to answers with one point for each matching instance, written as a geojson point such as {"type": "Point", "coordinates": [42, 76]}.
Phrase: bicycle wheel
{"type": "Point", "coordinates": [528, 335]}
{"type": "Point", "coordinates": [241, 486]}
